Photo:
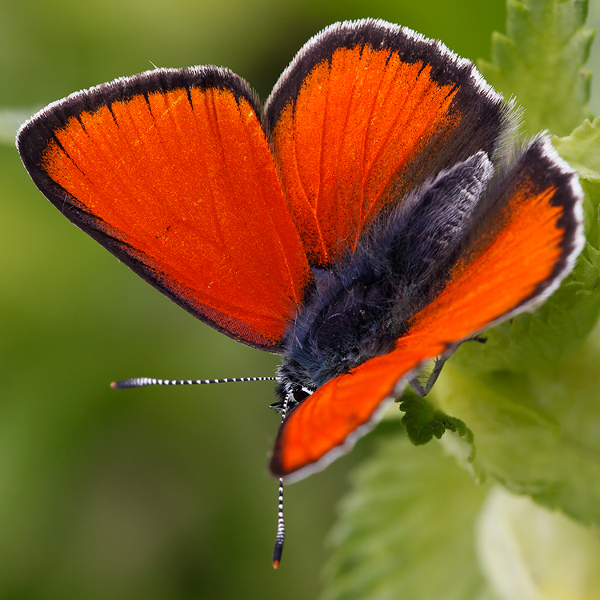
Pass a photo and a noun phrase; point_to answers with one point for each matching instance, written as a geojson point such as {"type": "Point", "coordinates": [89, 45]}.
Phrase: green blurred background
{"type": "Point", "coordinates": [150, 493]}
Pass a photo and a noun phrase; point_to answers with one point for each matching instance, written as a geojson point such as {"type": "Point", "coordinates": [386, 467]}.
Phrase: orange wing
{"type": "Point", "coordinates": [171, 171]}
{"type": "Point", "coordinates": [519, 256]}
{"type": "Point", "coordinates": [366, 112]}
{"type": "Point", "coordinates": [329, 422]}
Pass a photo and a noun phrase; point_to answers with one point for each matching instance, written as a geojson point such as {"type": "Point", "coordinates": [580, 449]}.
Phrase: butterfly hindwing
{"type": "Point", "coordinates": [521, 248]}
{"type": "Point", "coordinates": [171, 171]}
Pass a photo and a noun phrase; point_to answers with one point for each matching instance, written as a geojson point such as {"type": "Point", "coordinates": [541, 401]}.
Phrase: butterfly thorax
{"type": "Point", "coordinates": [356, 309]}
{"type": "Point", "coordinates": [343, 324]}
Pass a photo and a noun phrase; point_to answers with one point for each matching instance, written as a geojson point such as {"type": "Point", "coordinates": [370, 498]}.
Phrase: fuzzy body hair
{"type": "Point", "coordinates": [357, 309]}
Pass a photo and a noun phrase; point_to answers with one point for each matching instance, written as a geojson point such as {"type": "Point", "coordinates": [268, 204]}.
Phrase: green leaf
{"type": "Point", "coordinates": [415, 526]}
{"type": "Point", "coordinates": [581, 149]}
{"type": "Point", "coordinates": [529, 394]}
{"type": "Point", "coordinates": [423, 421]}
{"type": "Point", "coordinates": [407, 529]}
{"type": "Point", "coordinates": [537, 431]}
{"type": "Point", "coordinates": [540, 61]}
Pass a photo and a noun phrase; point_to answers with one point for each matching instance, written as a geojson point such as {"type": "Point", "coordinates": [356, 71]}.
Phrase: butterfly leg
{"type": "Point", "coordinates": [423, 390]}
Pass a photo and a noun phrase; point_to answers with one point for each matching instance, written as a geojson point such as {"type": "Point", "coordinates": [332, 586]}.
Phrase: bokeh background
{"type": "Point", "coordinates": [149, 493]}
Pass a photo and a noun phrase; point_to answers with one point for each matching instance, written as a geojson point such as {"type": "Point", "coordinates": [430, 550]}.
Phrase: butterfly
{"type": "Point", "coordinates": [377, 212]}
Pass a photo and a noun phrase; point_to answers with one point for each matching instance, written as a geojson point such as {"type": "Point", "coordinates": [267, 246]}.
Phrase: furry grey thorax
{"type": "Point", "coordinates": [359, 307]}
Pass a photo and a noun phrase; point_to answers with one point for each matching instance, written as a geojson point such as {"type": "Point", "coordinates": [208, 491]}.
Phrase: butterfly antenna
{"type": "Point", "coordinates": [143, 381]}
{"type": "Point", "coordinates": [280, 537]}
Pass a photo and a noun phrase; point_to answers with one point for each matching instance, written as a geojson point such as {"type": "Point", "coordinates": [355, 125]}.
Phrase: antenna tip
{"type": "Point", "coordinates": [277, 553]}
{"type": "Point", "coordinates": [130, 383]}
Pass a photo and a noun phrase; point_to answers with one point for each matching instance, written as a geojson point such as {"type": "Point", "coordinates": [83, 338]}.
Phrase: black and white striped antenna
{"type": "Point", "coordinates": [144, 381]}
{"type": "Point", "coordinates": [280, 537]}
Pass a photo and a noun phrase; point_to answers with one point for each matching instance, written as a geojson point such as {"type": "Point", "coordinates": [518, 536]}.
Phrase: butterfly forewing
{"type": "Point", "coordinates": [172, 172]}
{"type": "Point", "coordinates": [366, 112]}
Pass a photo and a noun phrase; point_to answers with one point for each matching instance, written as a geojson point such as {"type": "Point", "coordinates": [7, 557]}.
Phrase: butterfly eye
{"type": "Point", "coordinates": [301, 394]}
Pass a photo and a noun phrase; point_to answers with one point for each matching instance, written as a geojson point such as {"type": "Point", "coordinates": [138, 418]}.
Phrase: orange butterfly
{"type": "Point", "coordinates": [375, 214]}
